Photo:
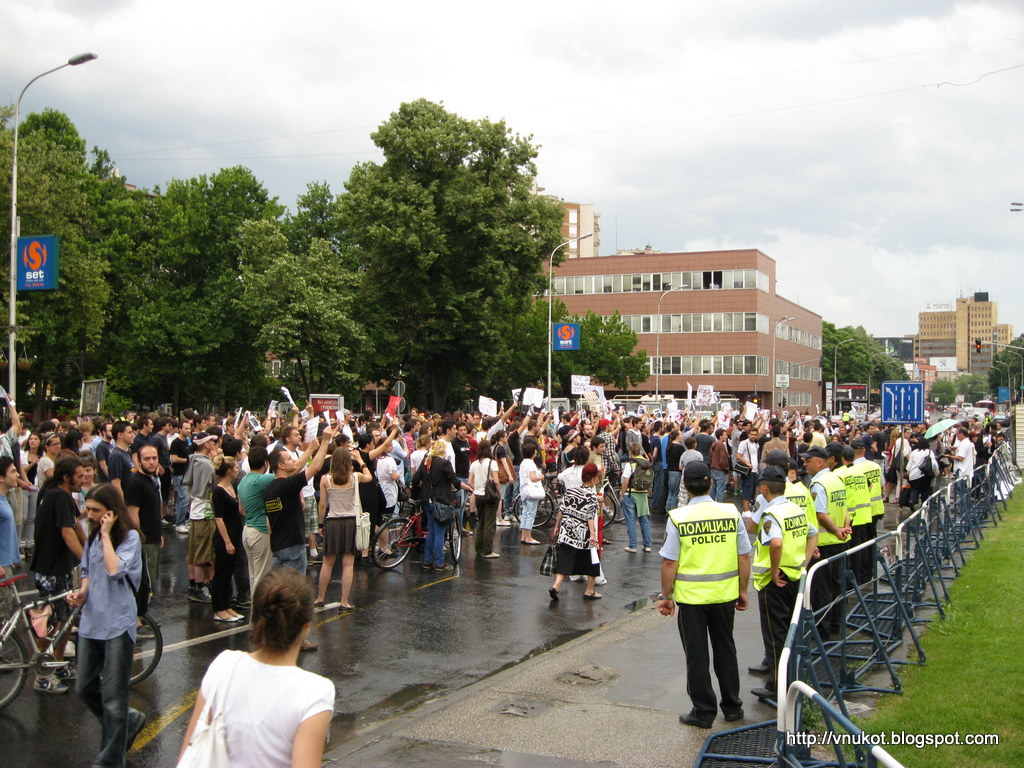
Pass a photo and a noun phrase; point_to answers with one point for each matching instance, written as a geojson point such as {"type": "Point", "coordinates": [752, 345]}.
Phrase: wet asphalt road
{"type": "Point", "coordinates": [414, 635]}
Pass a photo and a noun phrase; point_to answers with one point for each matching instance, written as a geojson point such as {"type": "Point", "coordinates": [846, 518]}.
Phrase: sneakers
{"type": "Point", "coordinates": [65, 674]}
{"type": "Point", "coordinates": [491, 555]}
{"type": "Point", "coordinates": [183, 528]}
{"type": "Point", "coordinates": [647, 549]}
{"type": "Point", "coordinates": [503, 523]}
{"type": "Point", "coordinates": [50, 684]}
{"type": "Point", "coordinates": [601, 580]}
{"type": "Point", "coordinates": [445, 567]}
{"type": "Point", "coordinates": [242, 603]}
{"type": "Point", "coordinates": [314, 556]}
{"type": "Point", "coordinates": [199, 595]}
{"type": "Point", "coordinates": [629, 549]}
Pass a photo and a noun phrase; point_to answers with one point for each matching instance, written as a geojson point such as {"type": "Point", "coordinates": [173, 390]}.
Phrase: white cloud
{"type": "Point", "coordinates": [681, 122]}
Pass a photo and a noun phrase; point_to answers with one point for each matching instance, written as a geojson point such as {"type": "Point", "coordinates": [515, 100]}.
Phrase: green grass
{"type": "Point", "coordinates": [973, 681]}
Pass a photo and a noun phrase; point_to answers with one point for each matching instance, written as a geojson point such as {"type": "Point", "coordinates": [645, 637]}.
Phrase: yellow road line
{"type": "Point", "coordinates": [153, 729]}
{"type": "Point", "coordinates": [439, 581]}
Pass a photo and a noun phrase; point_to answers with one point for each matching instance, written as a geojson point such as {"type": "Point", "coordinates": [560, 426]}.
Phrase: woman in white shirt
{"type": "Point", "coordinates": [921, 460]}
{"type": "Point", "coordinates": [339, 506]}
{"type": "Point", "coordinates": [276, 715]}
{"type": "Point", "coordinates": [480, 471]}
{"type": "Point", "coordinates": [530, 492]}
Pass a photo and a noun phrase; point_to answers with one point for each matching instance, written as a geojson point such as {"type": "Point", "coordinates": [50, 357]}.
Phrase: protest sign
{"type": "Point", "coordinates": [487, 406]}
{"type": "Point", "coordinates": [287, 395]}
{"type": "Point", "coordinates": [579, 384]}
{"type": "Point", "coordinates": [533, 397]}
{"type": "Point", "coordinates": [312, 427]}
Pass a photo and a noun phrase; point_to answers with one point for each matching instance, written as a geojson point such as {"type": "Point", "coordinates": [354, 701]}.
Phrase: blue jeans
{"type": "Point", "coordinates": [529, 513]}
{"type": "Point", "coordinates": [290, 557]}
{"type": "Point", "coordinates": [658, 497]}
{"type": "Point", "coordinates": [629, 513]}
{"type": "Point", "coordinates": [674, 477]}
{"type": "Point", "coordinates": [719, 479]}
{"type": "Point", "coordinates": [433, 550]}
{"type": "Point", "coordinates": [511, 489]}
{"type": "Point", "coordinates": [104, 669]}
{"type": "Point", "coordinates": [460, 511]}
{"type": "Point", "coordinates": [181, 503]}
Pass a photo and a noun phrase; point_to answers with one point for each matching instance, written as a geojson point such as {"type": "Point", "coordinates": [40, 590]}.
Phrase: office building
{"type": "Point", "coordinates": [949, 329]}
{"type": "Point", "coordinates": [720, 320]}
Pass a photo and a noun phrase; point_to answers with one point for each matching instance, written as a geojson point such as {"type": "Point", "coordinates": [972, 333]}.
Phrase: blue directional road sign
{"type": "Point", "coordinates": [902, 402]}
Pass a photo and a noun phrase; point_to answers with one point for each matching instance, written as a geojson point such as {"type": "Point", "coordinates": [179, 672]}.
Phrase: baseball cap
{"type": "Point", "coordinates": [777, 458]}
{"type": "Point", "coordinates": [773, 474]}
{"type": "Point", "coordinates": [815, 452]}
{"type": "Point", "coordinates": [696, 470]}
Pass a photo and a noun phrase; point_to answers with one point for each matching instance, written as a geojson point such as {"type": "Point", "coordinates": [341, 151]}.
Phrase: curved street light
{"type": "Point", "coordinates": [12, 330]}
{"type": "Point", "coordinates": [551, 300]}
{"type": "Point", "coordinates": [657, 353]}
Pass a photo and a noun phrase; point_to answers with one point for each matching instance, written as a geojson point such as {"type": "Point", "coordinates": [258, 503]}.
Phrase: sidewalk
{"type": "Point", "coordinates": [612, 697]}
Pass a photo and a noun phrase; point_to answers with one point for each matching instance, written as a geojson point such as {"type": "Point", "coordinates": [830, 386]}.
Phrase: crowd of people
{"type": "Point", "coordinates": [85, 502]}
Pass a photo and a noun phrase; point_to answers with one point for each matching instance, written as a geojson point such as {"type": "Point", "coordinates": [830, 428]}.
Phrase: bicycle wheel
{"type": "Point", "coordinates": [546, 508]}
{"type": "Point", "coordinates": [610, 508]}
{"type": "Point", "coordinates": [516, 511]}
{"type": "Point", "coordinates": [391, 544]}
{"type": "Point", "coordinates": [454, 542]}
{"type": "Point", "coordinates": [149, 647]}
{"type": "Point", "coordinates": [14, 658]}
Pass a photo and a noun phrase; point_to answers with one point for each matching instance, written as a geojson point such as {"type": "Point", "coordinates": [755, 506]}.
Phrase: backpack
{"type": "Point", "coordinates": [927, 470]}
{"type": "Point", "coordinates": [642, 479]}
{"type": "Point", "coordinates": [145, 588]}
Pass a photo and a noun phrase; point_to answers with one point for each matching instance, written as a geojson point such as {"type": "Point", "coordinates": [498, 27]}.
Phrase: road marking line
{"type": "Point", "coordinates": [153, 729]}
{"type": "Point", "coordinates": [439, 581]}
{"type": "Point", "coordinates": [245, 627]}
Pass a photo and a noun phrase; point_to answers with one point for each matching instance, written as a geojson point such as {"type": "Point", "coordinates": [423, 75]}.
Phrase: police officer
{"type": "Point", "coordinates": [705, 570]}
{"type": "Point", "coordinates": [829, 495]}
{"type": "Point", "coordinates": [859, 472]}
{"type": "Point", "coordinates": [786, 541]}
{"type": "Point", "coordinates": [799, 494]}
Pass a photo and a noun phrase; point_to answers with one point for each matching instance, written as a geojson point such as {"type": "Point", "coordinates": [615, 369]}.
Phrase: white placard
{"type": "Point", "coordinates": [749, 411]}
{"type": "Point", "coordinates": [238, 417]}
{"type": "Point", "coordinates": [487, 406]}
{"type": "Point", "coordinates": [533, 397]}
{"type": "Point", "coordinates": [579, 384]}
{"type": "Point", "coordinates": [312, 427]}
{"type": "Point", "coordinates": [287, 395]}
{"type": "Point", "coordinates": [254, 424]}
{"type": "Point", "coordinates": [590, 398]}
{"type": "Point", "coordinates": [515, 395]}
{"type": "Point", "coordinates": [706, 395]}
{"type": "Point", "coordinates": [597, 391]}
{"type": "Point", "coordinates": [272, 409]}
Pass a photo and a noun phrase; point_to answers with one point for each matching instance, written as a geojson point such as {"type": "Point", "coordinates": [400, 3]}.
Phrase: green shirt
{"type": "Point", "coordinates": [250, 493]}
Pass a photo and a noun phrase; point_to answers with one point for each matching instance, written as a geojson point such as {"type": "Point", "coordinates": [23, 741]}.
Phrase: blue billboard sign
{"type": "Point", "coordinates": [1004, 395]}
{"type": "Point", "coordinates": [38, 263]}
{"type": "Point", "coordinates": [566, 337]}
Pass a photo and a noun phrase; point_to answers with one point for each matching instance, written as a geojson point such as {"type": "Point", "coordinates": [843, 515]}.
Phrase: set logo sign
{"type": "Point", "coordinates": [567, 337]}
{"type": "Point", "coordinates": [38, 262]}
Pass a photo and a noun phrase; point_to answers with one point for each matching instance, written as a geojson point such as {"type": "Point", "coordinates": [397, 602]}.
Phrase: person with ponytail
{"type": "Point", "coordinates": [276, 714]}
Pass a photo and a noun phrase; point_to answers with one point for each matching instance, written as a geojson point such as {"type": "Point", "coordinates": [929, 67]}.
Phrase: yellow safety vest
{"type": "Point", "coordinates": [858, 503]}
{"type": "Point", "coordinates": [793, 520]}
{"type": "Point", "coordinates": [835, 491]}
{"type": "Point", "coordinates": [873, 473]}
{"type": "Point", "coordinates": [800, 494]}
{"type": "Point", "coordinates": [708, 569]}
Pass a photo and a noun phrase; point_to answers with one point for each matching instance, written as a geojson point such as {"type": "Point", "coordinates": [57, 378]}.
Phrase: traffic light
{"type": "Point", "coordinates": [977, 345]}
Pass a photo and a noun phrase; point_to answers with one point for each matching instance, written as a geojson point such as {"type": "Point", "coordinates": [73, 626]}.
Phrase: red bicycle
{"type": "Point", "coordinates": [398, 535]}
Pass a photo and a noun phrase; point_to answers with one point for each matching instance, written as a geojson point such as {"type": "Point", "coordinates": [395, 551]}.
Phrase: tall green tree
{"type": "Point", "coordinates": [1008, 369]}
{"type": "Point", "coordinates": [860, 358]}
{"type": "Point", "coordinates": [944, 392]}
{"type": "Point", "coordinates": [972, 386]}
{"type": "Point", "coordinates": [305, 306]}
{"type": "Point", "coordinates": [449, 239]}
{"type": "Point", "coordinates": [55, 191]}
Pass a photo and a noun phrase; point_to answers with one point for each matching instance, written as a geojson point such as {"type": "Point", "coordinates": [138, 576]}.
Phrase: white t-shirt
{"type": "Point", "coordinates": [525, 469]}
{"type": "Point", "coordinates": [748, 450]}
{"type": "Point", "coordinates": [386, 466]}
{"type": "Point", "coordinates": [261, 721]}
{"type": "Point", "coordinates": [478, 473]}
{"type": "Point", "coordinates": [416, 458]}
{"type": "Point", "coordinates": [965, 448]}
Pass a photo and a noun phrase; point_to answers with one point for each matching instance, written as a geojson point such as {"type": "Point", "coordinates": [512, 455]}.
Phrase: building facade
{"type": "Point", "coordinates": [710, 317]}
{"type": "Point", "coordinates": [580, 220]}
{"type": "Point", "coordinates": [950, 329]}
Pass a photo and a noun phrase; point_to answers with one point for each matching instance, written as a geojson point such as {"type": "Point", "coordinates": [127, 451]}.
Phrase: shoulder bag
{"type": "Point", "coordinates": [491, 492]}
{"type": "Point", "coordinates": [362, 522]}
{"type": "Point", "coordinates": [208, 747]}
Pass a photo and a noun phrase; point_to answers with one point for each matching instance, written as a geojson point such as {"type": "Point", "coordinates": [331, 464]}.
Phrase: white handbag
{"type": "Point", "coordinates": [208, 747]}
{"type": "Point", "coordinates": [362, 523]}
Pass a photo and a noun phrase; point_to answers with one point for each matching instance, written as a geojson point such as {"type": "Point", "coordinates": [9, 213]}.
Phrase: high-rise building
{"type": "Point", "coordinates": [580, 220]}
{"type": "Point", "coordinates": [951, 330]}
{"type": "Point", "coordinates": [714, 316]}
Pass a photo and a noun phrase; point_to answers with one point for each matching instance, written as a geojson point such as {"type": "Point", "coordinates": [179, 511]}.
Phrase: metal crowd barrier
{"type": "Point", "coordinates": [908, 586]}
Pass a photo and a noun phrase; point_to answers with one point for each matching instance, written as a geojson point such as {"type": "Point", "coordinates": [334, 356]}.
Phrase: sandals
{"type": "Point", "coordinates": [592, 596]}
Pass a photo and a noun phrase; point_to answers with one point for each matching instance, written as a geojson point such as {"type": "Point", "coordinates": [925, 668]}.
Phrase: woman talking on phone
{"type": "Point", "coordinates": [106, 631]}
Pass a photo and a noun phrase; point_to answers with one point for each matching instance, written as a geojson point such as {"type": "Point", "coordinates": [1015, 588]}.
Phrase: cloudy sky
{"type": "Point", "coordinates": [871, 147]}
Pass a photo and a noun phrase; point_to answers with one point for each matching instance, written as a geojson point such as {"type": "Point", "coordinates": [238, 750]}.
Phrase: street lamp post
{"type": "Point", "coordinates": [12, 330]}
{"type": "Point", "coordinates": [775, 360]}
{"type": "Point", "coordinates": [551, 299]}
{"type": "Point", "coordinates": [835, 367]}
{"type": "Point", "coordinates": [657, 344]}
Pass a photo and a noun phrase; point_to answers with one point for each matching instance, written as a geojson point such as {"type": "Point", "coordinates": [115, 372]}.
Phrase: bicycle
{"type": "Point", "coordinates": [546, 509]}
{"type": "Point", "coordinates": [16, 661]}
{"type": "Point", "coordinates": [610, 503]}
{"type": "Point", "coordinates": [398, 535]}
